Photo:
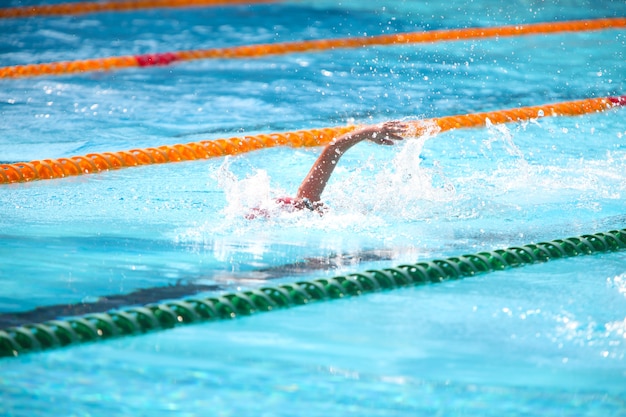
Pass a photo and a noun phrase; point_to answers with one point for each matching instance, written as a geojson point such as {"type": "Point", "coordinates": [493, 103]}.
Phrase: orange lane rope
{"type": "Point", "coordinates": [112, 6]}
{"type": "Point", "coordinates": [255, 51]}
{"type": "Point", "coordinates": [98, 162]}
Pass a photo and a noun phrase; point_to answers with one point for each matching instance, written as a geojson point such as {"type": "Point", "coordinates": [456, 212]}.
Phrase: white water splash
{"type": "Point", "coordinates": [401, 189]}
{"type": "Point", "coordinates": [364, 200]}
{"type": "Point", "coordinates": [619, 283]}
{"type": "Point", "coordinates": [501, 134]}
{"type": "Point", "coordinates": [243, 194]}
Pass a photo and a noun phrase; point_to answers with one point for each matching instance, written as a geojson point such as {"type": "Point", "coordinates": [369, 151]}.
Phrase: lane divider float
{"type": "Point", "coordinates": [98, 162]}
{"type": "Point", "coordinates": [113, 6]}
{"type": "Point", "coordinates": [131, 321]}
{"type": "Point", "coordinates": [256, 51]}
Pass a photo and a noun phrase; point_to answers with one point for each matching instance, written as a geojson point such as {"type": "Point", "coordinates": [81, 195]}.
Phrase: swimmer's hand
{"type": "Point", "coordinates": [388, 133]}
{"type": "Point", "coordinates": [382, 134]}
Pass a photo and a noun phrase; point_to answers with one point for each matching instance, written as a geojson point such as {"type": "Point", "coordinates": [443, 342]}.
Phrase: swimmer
{"type": "Point", "coordinates": [309, 194]}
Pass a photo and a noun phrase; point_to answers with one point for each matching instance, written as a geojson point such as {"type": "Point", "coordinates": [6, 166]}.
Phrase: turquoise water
{"type": "Point", "coordinates": [543, 340]}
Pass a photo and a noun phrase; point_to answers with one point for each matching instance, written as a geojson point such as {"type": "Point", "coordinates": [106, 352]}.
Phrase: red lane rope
{"type": "Point", "coordinates": [98, 162]}
{"type": "Point", "coordinates": [255, 51]}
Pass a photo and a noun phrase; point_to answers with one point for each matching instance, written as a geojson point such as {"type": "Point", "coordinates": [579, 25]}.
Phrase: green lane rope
{"type": "Point", "coordinates": [138, 320]}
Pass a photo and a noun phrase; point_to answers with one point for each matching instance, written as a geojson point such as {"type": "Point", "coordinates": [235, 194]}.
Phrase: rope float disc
{"type": "Point", "coordinates": [113, 6]}
{"type": "Point", "coordinates": [88, 328]}
{"type": "Point", "coordinates": [99, 162]}
{"type": "Point", "coordinates": [255, 51]}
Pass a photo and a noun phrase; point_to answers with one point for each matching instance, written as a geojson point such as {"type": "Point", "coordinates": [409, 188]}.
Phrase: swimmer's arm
{"type": "Point", "coordinates": [314, 183]}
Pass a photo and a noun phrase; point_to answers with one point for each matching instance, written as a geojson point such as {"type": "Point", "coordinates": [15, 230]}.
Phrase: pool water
{"type": "Point", "coordinates": [544, 340]}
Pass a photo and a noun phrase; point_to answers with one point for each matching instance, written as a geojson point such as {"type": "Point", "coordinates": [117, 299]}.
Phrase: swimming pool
{"type": "Point", "coordinates": [541, 340]}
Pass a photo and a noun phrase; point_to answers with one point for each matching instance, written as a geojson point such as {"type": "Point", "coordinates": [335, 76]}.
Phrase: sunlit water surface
{"type": "Point", "coordinates": [543, 340]}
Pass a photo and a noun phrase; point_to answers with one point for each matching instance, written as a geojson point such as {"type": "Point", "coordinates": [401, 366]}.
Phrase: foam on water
{"type": "Point", "coordinates": [395, 197]}
{"type": "Point", "coordinates": [366, 196]}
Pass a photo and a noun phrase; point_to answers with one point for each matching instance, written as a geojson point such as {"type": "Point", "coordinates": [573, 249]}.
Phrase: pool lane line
{"type": "Point", "coordinates": [260, 50]}
{"type": "Point", "coordinates": [186, 287]}
{"type": "Point", "coordinates": [104, 303]}
{"type": "Point", "coordinates": [114, 6]}
{"type": "Point", "coordinates": [133, 321]}
{"type": "Point", "coordinates": [98, 162]}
